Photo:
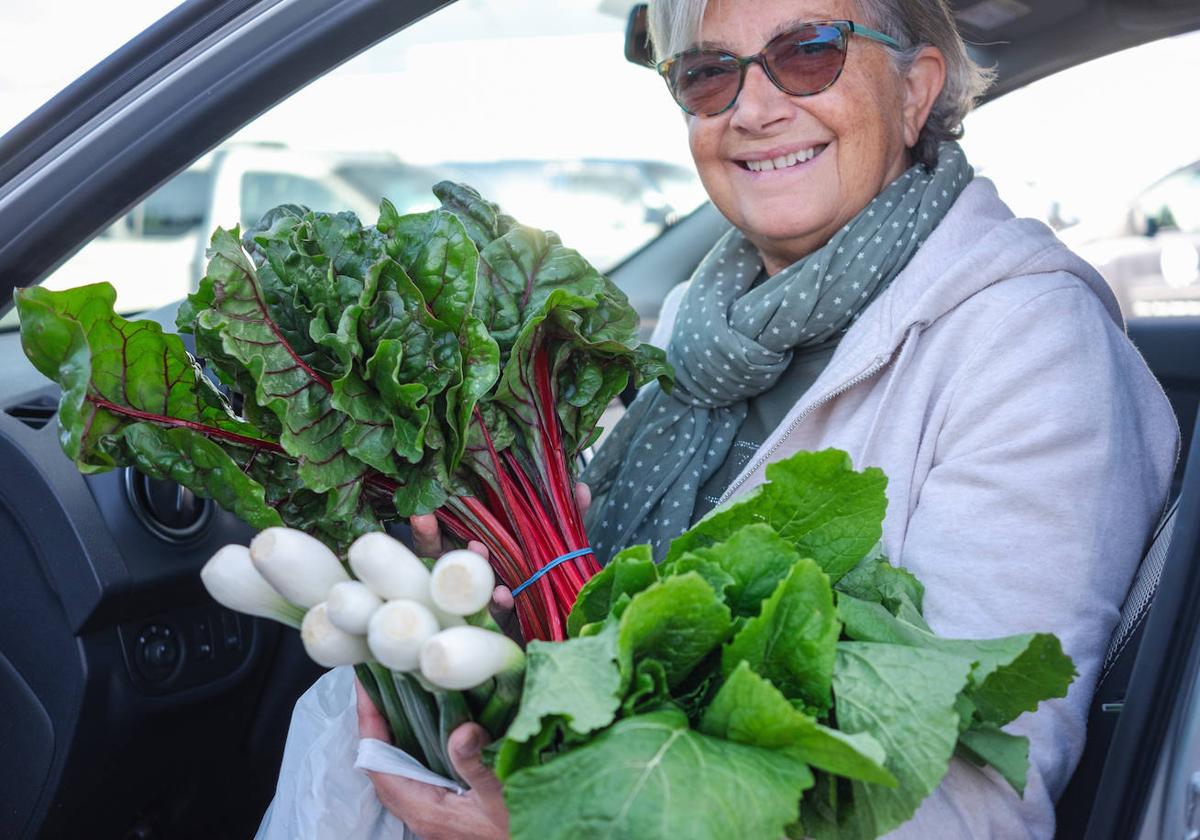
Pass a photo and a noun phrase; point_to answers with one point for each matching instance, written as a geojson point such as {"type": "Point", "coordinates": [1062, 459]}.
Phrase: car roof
{"type": "Point", "coordinates": [1025, 40]}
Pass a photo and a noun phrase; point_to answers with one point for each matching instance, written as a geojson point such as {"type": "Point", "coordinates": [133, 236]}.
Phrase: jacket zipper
{"type": "Point", "coordinates": [879, 364]}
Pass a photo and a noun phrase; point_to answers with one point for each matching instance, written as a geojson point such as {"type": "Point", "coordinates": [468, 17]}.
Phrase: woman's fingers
{"type": "Point", "coordinates": [423, 808]}
{"type": "Point", "coordinates": [583, 497]}
{"type": "Point", "coordinates": [370, 723]}
{"type": "Point", "coordinates": [464, 747]}
{"type": "Point", "coordinates": [503, 609]}
{"type": "Point", "coordinates": [426, 535]}
{"type": "Point", "coordinates": [435, 812]}
{"type": "Point", "coordinates": [502, 597]}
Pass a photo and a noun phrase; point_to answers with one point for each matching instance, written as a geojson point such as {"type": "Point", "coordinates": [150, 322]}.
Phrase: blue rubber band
{"type": "Point", "coordinates": [571, 555]}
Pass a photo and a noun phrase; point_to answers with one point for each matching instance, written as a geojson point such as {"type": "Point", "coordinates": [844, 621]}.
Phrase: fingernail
{"type": "Point", "coordinates": [469, 744]}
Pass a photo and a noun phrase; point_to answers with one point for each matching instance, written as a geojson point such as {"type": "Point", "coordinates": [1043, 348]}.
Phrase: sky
{"type": "Point", "coordinates": [1089, 138]}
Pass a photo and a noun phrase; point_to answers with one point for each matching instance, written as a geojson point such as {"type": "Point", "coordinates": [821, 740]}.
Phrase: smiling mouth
{"type": "Point", "coordinates": [783, 161]}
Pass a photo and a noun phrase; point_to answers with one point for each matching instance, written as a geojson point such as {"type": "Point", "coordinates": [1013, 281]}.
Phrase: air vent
{"type": "Point", "coordinates": [34, 413]}
{"type": "Point", "coordinates": [168, 510]}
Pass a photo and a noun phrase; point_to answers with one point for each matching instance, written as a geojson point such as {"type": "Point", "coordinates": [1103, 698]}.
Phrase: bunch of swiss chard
{"type": "Point", "coordinates": [452, 361]}
{"type": "Point", "coordinates": [773, 675]}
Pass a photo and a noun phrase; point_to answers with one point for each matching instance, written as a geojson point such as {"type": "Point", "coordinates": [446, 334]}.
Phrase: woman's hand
{"type": "Point", "coordinates": [427, 535]}
{"type": "Point", "coordinates": [437, 813]}
{"type": "Point", "coordinates": [427, 542]}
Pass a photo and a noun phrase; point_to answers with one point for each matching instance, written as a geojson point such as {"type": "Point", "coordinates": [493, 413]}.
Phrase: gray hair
{"type": "Point", "coordinates": [674, 24]}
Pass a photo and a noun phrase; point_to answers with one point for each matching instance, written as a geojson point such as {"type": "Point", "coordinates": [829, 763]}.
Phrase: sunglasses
{"type": "Point", "coordinates": [800, 62]}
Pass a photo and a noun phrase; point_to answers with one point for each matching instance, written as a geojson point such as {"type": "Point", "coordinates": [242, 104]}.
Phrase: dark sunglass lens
{"type": "Point", "coordinates": [807, 60]}
{"type": "Point", "coordinates": [704, 82]}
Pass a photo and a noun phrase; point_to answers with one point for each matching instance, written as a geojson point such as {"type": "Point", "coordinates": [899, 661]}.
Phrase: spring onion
{"type": "Point", "coordinates": [299, 566]}
{"type": "Point", "coordinates": [233, 582]}
{"type": "Point", "coordinates": [461, 583]}
{"type": "Point", "coordinates": [328, 645]}
{"type": "Point", "coordinates": [463, 657]}
{"type": "Point", "coordinates": [397, 631]}
{"type": "Point", "coordinates": [351, 604]}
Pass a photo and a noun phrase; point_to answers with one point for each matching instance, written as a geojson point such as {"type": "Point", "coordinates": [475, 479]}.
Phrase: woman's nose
{"type": "Point", "coordinates": [760, 103]}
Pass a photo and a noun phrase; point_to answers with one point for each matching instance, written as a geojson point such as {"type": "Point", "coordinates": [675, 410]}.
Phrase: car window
{"type": "Point", "coordinates": [597, 153]}
{"type": "Point", "coordinates": [177, 209]}
{"type": "Point", "coordinates": [263, 190]}
{"type": "Point", "coordinates": [48, 44]}
{"type": "Point", "coordinates": [1075, 150]}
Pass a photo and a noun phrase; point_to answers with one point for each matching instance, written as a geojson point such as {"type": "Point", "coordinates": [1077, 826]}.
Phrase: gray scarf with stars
{"type": "Point", "coordinates": [732, 341]}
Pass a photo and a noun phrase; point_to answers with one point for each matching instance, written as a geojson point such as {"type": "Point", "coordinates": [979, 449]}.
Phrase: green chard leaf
{"type": "Point", "coordinates": [200, 464]}
{"type": "Point", "coordinates": [793, 640]}
{"type": "Point", "coordinates": [434, 250]}
{"type": "Point", "coordinates": [651, 777]}
{"type": "Point", "coordinates": [813, 500]}
{"type": "Point", "coordinates": [904, 698]}
{"type": "Point", "coordinates": [411, 359]}
{"type": "Point", "coordinates": [310, 271]}
{"type": "Point", "coordinates": [481, 219]}
{"type": "Point", "coordinates": [131, 395]}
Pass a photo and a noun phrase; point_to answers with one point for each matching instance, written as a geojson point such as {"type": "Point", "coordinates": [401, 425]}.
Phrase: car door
{"type": "Point", "coordinates": [133, 705]}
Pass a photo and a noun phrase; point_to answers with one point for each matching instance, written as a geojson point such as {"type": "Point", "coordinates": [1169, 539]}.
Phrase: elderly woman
{"type": "Point", "coordinates": [873, 296]}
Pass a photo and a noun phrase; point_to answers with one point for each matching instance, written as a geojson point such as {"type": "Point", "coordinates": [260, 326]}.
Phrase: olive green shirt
{"type": "Point", "coordinates": [764, 413]}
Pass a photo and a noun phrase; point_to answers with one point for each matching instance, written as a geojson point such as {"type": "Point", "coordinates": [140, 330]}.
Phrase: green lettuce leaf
{"type": "Point", "coordinates": [651, 777]}
{"type": "Point", "coordinates": [577, 682]}
{"type": "Point", "coordinates": [904, 698]}
{"type": "Point", "coordinates": [631, 571]}
{"type": "Point", "coordinates": [754, 559]}
{"type": "Point", "coordinates": [677, 621]}
{"type": "Point", "coordinates": [987, 744]}
{"type": "Point", "coordinates": [1009, 675]}
{"type": "Point", "coordinates": [751, 710]}
{"type": "Point", "coordinates": [813, 500]}
{"type": "Point", "coordinates": [878, 581]}
{"type": "Point", "coordinates": [649, 690]}
{"type": "Point", "coordinates": [793, 640]}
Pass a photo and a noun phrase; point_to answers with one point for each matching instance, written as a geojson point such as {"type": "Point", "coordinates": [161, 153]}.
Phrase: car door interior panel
{"type": "Point", "coordinates": [112, 649]}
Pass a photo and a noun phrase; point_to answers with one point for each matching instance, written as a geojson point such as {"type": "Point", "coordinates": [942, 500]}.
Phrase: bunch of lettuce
{"type": "Point", "coordinates": [772, 675]}
{"type": "Point", "coordinates": [450, 361]}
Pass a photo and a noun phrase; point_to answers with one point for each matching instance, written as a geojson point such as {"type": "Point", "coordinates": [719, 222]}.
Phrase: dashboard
{"type": "Point", "coordinates": [133, 703]}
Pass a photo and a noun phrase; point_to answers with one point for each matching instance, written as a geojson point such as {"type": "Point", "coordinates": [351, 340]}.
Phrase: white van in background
{"type": "Point", "coordinates": [155, 252]}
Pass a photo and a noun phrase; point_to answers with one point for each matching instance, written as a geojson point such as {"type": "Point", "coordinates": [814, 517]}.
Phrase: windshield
{"type": "Point", "coordinates": [530, 101]}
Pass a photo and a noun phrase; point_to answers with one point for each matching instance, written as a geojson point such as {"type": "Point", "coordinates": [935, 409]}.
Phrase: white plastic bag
{"type": "Point", "coordinates": [323, 789]}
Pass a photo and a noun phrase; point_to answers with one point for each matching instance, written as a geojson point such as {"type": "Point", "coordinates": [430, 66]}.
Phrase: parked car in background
{"type": "Point", "coordinates": [154, 253]}
{"type": "Point", "coordinates": [1149, 252]}
{"type": "Point", "coordinates": [605, 208]}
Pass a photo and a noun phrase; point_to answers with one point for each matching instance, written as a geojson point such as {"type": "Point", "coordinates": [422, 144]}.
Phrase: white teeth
{"type": "Point", "coordinates": [781, 162]}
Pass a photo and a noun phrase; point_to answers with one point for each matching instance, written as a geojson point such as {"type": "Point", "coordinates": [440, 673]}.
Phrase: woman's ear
{"type": "Point", "coordinates": [922, 86]}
